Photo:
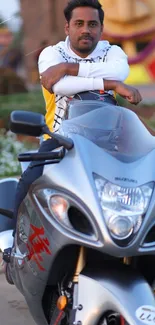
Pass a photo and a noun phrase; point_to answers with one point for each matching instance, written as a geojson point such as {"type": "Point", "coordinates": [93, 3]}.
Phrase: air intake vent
{"type": "Point", "coordinates": [80, 222]}
{"type": "Point", "coordinates": [150, 237]}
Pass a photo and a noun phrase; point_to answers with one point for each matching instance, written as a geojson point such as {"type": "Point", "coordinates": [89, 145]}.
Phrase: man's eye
{"type": "Point", "coordinates": [93, 24]}
{"type": "Point", "coordinates": [79, 24]}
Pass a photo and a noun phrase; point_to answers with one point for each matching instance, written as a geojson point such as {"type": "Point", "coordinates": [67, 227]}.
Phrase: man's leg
{"type": "Point", "coordinates": [31, 174]}
{"type": "Point", "coordinates": [27, 178]}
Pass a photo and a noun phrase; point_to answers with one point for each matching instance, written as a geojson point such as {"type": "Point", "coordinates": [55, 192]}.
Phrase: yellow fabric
{"type": "Point", "coordinates": [50, 109]}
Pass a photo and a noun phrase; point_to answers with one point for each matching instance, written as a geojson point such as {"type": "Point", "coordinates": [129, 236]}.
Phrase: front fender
{"type": "Point", "coordinates": [118, 289]}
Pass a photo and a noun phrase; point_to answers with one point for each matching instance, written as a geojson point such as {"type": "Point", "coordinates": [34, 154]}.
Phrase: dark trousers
{"type": "Point", "coordinates": [31, 174]}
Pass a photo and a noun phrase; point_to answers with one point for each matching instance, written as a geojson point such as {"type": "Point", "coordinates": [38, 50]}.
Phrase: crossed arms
{"type": "Point", "coordinates": [67, 79]}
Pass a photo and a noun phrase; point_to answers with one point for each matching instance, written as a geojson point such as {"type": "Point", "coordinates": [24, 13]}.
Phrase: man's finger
{"type": "Point", "coordinates": [138, 97]}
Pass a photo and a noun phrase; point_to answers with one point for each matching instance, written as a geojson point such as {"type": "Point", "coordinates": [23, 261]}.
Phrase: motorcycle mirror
{"type": "Point", "coordinates": [33, 124]}
{"type": "Point", "coordinates": [27, 123]}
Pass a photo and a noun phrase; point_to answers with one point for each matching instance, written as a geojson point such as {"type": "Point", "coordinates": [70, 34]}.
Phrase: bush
{"type": "Point", "coordinates": [146, 111]}
{"type": "Point", "coordinates": [10, 147]}
{"type": "Point", "coordinates": [32, 101]}
{"type": "Point", "coordinates": [10, 82]}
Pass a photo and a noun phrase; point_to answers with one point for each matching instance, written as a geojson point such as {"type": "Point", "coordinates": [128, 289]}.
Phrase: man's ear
{"type": "Point", "coordinates": [67, 28]}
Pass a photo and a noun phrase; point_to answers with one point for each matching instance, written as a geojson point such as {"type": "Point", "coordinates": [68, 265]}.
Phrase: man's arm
{"type": "Point", "coordinates": [55, 77]}
{"type": "Point", "coordinates": [59, 76]}
{"type": "Point", "coordinates": [115, 67]}
{"type": "Point", "coordinates": [69, 85]}
{"type": "Point", "coordinates": [55, 80]}
{"type": "Point", "coordinates": [129, 93]}
{"type": "Point", "coordinates": [63, 87]}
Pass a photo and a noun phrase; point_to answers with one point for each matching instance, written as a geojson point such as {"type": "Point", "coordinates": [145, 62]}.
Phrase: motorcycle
{"type": "Point", "coordinates": [84, 247]}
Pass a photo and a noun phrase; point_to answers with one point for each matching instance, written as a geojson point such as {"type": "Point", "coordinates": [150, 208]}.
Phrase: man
{"type": "Point", "coordinates": [81, 63]}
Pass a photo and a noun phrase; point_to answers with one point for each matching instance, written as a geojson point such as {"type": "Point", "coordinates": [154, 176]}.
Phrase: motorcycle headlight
{"type": "Point", "coordinates": [59, 206]}
{"type": "Point", "coordinates": [123, 207]}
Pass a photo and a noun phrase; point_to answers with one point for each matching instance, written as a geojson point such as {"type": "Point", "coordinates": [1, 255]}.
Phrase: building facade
{"type": "Point", "coordinates": [43, 20]}
{"type": "Point", "coordinates": [132, 28]}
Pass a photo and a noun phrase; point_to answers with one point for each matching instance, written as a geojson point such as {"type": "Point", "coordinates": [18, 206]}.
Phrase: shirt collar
{"type": "Point", "coordinates": [91, 55]}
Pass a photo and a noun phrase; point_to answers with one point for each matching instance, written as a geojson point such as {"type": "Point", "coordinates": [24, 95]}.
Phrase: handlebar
{"type": "Point", "coordinates": [40, 156]}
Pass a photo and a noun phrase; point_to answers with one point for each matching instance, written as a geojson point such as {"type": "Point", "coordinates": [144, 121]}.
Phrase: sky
{"type": "Point", "coordinates": [7, 9]}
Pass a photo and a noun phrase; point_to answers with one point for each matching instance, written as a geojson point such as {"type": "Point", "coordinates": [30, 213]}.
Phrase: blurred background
{"type": "Point", "coordinates": [27, 26]}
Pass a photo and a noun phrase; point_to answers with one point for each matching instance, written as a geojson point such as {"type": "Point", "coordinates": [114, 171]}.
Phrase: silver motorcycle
{"type": "Point", "coordinates": [84, 247]}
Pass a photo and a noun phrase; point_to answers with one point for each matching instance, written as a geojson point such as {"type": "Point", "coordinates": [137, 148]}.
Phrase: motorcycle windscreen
{"type": "Point", "coordinates": [114, 128]}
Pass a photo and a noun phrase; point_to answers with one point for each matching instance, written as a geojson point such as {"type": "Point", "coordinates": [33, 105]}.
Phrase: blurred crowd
{"type": "Point", "coordinates": [10, 57]}
{"type": "Point", "coordinates": [12, 67]}
{"type": "Point", "coordinates": [11, 62]}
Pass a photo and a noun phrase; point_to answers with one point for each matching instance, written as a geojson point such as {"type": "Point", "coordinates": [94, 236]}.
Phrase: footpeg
{"type": "Point", "coordinates": [7, 255]}
{"type": "Point", "coordinates": [19, 256]}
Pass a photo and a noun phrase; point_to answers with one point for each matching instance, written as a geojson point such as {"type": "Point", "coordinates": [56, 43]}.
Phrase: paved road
{"type": "Point", "coordinates": [13, 309]}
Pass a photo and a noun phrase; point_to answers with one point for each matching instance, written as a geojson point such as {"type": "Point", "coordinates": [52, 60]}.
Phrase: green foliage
{"type": "Point", "coordinates": [10, 147]}
{"type": "Point", "coordinates": [152, 123]}
{"type": "Point", "coordinates": [10, 82]}
{"type": "Point", "coordinates": [32, 101]}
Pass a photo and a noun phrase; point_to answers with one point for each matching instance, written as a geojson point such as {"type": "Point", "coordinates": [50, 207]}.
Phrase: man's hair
{"type": "Point", "coordinates": [72, 4]}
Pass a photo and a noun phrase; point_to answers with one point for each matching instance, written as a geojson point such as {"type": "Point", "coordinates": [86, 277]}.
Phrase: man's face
{"type": "Point", "coordinates": [84, 30]}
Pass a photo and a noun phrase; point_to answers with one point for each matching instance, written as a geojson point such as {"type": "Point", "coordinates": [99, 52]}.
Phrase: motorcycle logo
{"type": "Point", "coordinates": [146, 314]}
{"type": "Point", "coordinates": [37, 245]}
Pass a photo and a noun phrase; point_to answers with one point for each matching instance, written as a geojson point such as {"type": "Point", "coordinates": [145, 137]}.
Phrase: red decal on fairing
{"type": "Point", "coordinates": [38, 244]}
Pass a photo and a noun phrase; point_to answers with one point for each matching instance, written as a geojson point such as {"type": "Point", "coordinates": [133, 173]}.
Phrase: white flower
{"type": "Point", "coordinates": [10, 148]}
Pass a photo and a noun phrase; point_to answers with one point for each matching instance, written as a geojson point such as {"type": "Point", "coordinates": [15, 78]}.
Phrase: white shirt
{"type": "Point", "coordinates": [105, 62]}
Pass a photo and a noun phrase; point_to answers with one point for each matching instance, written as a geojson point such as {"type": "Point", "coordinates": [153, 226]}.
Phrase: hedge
{"type": "Point", "coordinates": [32, 101]}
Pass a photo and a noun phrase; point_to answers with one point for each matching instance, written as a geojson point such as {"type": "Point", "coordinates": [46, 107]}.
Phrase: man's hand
{"type": "Point", "coordinates": [52, 75]}
{"type": "Point", "coordinates": [129, 93]}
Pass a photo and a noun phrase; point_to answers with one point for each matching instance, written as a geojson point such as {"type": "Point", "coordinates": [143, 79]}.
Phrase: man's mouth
{"type": "Point", "coordinates": [86, 38]}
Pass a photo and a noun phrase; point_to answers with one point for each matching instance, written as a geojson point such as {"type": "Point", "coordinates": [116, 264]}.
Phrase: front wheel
{"type": "Point", "coordinates": [8, 273]}
{"type": "Point", "coordinates": [112, 318]}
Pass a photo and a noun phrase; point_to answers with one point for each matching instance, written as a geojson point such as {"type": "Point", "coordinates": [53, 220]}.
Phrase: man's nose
{"type": "Point", "coordinates": [129, 10]}
{"type": "Point", "coordinates": [86, 29]}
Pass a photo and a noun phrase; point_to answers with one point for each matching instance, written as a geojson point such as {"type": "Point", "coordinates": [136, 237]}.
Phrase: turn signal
{"type": "Point", "coordinates": [62, 302]}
